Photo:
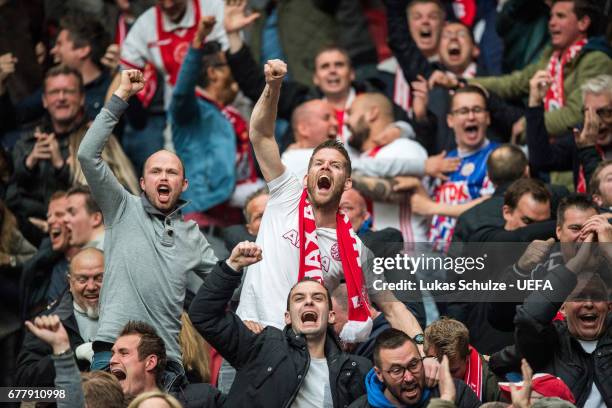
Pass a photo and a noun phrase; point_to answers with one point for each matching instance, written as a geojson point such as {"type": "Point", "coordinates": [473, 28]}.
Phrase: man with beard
{"type": "Point", "coordinates": [301, 366]}
{"type": "Point", "coordinates": [304, 230]}
{"type": "Point", "coordinates": [582, 150]}
{"type": "Point", "coordinates": [149, 247]}
{"type": "Point", "coordinates": [368, 115]}
{"type": "Point", "coordinates": [398, 379]}
{"type": "Point", "coordinates": [78, 312]}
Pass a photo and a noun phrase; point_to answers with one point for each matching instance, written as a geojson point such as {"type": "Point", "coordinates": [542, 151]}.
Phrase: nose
{"type": "Point", "coordinates": [91, 285]}
{"type": "Point", "coordinates": [471, 114]}
{"type": "Point", "coordinates": [408, 376]}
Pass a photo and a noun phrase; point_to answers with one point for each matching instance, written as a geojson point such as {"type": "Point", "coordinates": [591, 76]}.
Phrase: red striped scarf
{"type": "Point", "coordinates": [359, 324]}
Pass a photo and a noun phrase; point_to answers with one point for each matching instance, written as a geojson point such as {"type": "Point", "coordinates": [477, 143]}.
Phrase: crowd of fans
{"type": "Point", "coordinates": [194, 194]}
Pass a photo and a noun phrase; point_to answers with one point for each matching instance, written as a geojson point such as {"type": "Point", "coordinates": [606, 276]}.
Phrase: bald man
{"type": "Point", "coordinates": [78, 312]}
{"type": "Point", "coordinates": [369, 115]}
{"type": "Point", "coordinates": [150, 248]}
{"type": "Point", "coordinates": [313, 123]}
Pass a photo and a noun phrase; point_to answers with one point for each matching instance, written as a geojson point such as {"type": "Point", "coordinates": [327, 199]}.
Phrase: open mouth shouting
{"type": "Point", "coordinates": [309, 318]}
{"type": "Point", "coordinates": [118, 373]}
{"type": "Point", "coordinates": [410, 390]}
{"type": "Point", "coordinates": [454, 51]}
{"type": "Point", "coordinates": [589, 320]}
{"type": "Point", "coordinates": [163, 193]}
{"type": "Point", "coordinates": [324, 183]}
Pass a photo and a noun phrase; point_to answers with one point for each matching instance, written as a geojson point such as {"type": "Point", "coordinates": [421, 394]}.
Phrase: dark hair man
{"type": "Point", "coordinates": [398, 378]}
{"type": "Point", "coordinates": [84, 219]}
{"type": "Point", "coordinates": [573, 51]}
{"type": "Point", "coordinates": [81, 44]}
{"type": "Point", "coordinates": [303, 364]}
{"type": "Point", "coordinates": [149, 236]}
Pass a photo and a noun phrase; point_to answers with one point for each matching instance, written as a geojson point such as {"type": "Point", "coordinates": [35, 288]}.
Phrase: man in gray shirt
{"type": "Point", "coordinates": [148, 246]}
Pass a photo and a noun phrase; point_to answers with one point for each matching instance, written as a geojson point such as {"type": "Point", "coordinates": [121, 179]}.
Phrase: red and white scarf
{"type": "Point", "coordinates": [359, 324]}
{"type": "Point", "coordinates": [555, 97]}
{"type": "Point", "coordinates": [473, 372]}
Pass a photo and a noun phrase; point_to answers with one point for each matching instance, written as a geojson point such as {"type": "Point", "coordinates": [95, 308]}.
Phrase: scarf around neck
{"type": "Point", "coordinates": [359, 324]}
{"type": "Point", "coordinates": [555, 96]}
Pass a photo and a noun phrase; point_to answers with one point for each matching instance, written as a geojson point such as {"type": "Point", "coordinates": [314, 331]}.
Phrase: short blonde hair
{"type": "Point", "coordinates": [169, 399]}
{"type": "Point", "coordinates": [448, 336]}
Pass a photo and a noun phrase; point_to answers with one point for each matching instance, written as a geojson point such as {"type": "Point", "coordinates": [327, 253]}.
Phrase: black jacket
{"type": "Point", "coordinates": [549, 347]}
{"type": "Point", "coordinates": [34, 363]}
{"type": "Point", "coordinates": [464, 397]}
{"type": "Point", "coordinates": [561, 155]}
{"type": "Point", "coordinates": [272, 365]}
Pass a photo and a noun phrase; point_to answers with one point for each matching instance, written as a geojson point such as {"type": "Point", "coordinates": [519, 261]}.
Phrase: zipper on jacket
{"type": "Point", "coordinates": [295, 393]}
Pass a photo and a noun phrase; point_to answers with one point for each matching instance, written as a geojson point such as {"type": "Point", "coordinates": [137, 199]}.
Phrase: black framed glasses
{"type": "Point", "coordinates": [465, 111]}
{"type": "Point", "coordinates": [397, 372]}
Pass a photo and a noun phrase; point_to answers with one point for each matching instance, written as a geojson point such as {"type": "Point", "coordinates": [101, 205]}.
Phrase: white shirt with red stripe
{"type": "Point", "coordinates": [154, 38]}
{"type": "Point", "coordinates": [414, 227]}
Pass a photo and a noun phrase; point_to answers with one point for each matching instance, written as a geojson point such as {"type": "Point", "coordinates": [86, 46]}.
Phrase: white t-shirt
{"type": "Point", "coordinates": [142, 43]}
{"type": "Point", "coordinates": [414, 227]}
{"type": "Point", "coordinates": [595, 400]}
{"type": "Point", "coordinates": [267, 283]}
{"type": "Point", "coordinates": [296, 161]}
{"type": "Point", "coordinates": [315, 391]}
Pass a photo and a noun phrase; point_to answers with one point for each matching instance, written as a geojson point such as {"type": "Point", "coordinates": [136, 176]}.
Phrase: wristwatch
{"type": "Point", "coordinates": [419, 339]}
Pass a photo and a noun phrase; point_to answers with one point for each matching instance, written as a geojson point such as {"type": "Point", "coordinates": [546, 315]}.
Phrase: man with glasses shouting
{"type": "Point", "coordinates": [398, 377]}
{"type": "Point", "coordinates": [469, 119]}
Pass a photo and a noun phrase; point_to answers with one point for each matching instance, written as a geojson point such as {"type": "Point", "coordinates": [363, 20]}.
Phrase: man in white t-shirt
{"type": "Point", "coordinates": [267, 283]}
{"type": "Point", "coordinates": [369, 114]}
{"type": "Point", "coordinates": [162, 34]}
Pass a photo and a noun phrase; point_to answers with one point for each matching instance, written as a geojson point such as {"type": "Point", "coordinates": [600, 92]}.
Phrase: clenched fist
{"type": "Point", "coordinates": [244, 254]}
{"type": "Point", "coordinates": [132, 82]}
{"type": "Point", "coordinates": [205, 27]}
{"type": "Point", "coordinates": [275, 70]}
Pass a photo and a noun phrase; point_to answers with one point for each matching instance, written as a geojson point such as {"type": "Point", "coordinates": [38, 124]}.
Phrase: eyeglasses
{"type": "Point", "coordinates": [604, 113]}
{"type": "Point", "coordinates": [57, 92]}
{"type": "Point", "coordinates": [476, 110]}
{"type": "Point", "coordinates": [397, 372]}
{"type": "Point", "coordinates": [447, 35]}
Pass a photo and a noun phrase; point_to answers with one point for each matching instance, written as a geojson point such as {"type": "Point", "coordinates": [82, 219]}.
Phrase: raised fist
{"type": "Point", "coordinates": [132, 82]}
{"type": "Point", "coordinates": [50, 330]}
{"type": "Point", "coordinates": [244, 254]}
{"type": "Point", "coordinates": [275, 70]}
{"type": "Point", "coordinates": [205, 27]}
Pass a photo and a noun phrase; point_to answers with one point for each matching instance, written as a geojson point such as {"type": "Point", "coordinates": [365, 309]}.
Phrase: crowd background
{"type": "Point", "coordinates": [468, 123]}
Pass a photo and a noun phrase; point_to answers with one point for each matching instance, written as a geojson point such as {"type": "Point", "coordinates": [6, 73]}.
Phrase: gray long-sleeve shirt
{"type": "Point", "coordinates": [147, 253]}
{"type": "Point", "coordinates": [68, 378]}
